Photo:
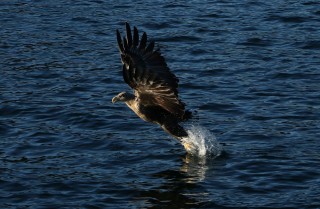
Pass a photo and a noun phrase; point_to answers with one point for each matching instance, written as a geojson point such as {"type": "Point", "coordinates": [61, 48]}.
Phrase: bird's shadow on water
{"type": "Point", "coordinates": [182, 187]}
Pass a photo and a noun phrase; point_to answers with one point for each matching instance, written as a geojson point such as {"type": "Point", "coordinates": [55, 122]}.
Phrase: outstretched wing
{"type": "Point", "coordinates": [145, 70]}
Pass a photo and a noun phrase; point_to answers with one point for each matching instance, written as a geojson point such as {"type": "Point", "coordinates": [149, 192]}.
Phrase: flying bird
{"type": "Point", "coordinates": [155, 98]}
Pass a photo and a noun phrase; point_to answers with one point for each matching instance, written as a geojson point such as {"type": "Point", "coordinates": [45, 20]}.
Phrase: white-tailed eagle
{"type": "Point", "coordinates": [155, 97]}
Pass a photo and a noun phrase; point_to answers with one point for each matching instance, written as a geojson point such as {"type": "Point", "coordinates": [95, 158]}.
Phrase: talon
{"type": "Point", "coordinates": [188, 146]}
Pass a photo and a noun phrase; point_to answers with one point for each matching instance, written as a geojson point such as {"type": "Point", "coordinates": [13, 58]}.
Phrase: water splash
{"type": "Point", "coordinates": [201, 142]}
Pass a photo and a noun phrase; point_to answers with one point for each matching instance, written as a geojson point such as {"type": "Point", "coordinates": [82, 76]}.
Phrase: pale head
{"type": "Point", "coordinates": [122, 97]}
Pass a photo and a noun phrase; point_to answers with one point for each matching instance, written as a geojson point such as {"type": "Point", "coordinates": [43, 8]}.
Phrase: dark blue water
{"type": "Point", "coordinates": [250, 68]}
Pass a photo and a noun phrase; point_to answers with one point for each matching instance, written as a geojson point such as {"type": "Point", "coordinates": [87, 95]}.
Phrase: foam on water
{"type": "Point", "coordinates": [201, 142]}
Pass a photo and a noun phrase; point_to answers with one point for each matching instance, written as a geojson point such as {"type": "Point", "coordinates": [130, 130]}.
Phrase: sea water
{"type": "Point", "coordinates": [251, 67]}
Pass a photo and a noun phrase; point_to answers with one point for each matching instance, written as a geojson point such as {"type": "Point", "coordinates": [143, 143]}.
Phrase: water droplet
{"type": "Point", "coordinates": [201, 142]}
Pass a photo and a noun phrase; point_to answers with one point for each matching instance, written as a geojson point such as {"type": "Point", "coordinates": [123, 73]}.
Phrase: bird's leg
{"type": "Point", "coordinates": [178, 132]}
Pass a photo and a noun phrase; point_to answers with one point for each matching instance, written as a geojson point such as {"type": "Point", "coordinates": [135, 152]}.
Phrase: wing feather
{"type": "Point", "coordinates": [125, 44]}
{"type": "Point", "coordinates": [129, 36]}
{"type": "Point", "coordinates": [126, 76]}
{"type": "Point", "coordinates": [146, 71]}
{"type": "Point", "coordinates": [150, 47]}
{"type": "Point", "coordinates": [120, 45]}
{"type": "Point", "coordinates": [135, 37]}
{"type": "Point", "coordinates": [143, 42]}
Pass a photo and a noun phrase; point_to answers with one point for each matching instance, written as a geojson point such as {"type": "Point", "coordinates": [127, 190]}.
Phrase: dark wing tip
{"type": "Point", "coordinates": [129, 36]}
{"type": "Point", "coordinates": [135, 37]}
{"type": "Point", "coordinates": [120, 44]}
{"type": "Point", "coordinates": [143, 41]}
{"type": "Point", "coordinates": [127, 25]}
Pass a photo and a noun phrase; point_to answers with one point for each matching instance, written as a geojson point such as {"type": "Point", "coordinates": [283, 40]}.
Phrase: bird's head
{"type": "Point", "coordinates": [122, 97]}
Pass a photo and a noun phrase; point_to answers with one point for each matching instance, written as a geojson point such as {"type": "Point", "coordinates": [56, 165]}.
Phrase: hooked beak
{"type": "Point", "coordinates": [115, 99]}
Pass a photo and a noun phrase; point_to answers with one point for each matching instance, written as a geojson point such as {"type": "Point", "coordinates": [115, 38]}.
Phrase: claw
{"type": "Point", "coordinates": [188, 146]}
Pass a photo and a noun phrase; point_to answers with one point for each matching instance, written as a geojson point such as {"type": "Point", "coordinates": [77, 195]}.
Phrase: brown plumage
{"type": "Point", "coordinates": [155, 88]}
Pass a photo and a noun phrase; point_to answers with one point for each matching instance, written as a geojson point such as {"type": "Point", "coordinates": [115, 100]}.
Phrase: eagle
{"type": "Point", "coordinates": [155, 88]}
